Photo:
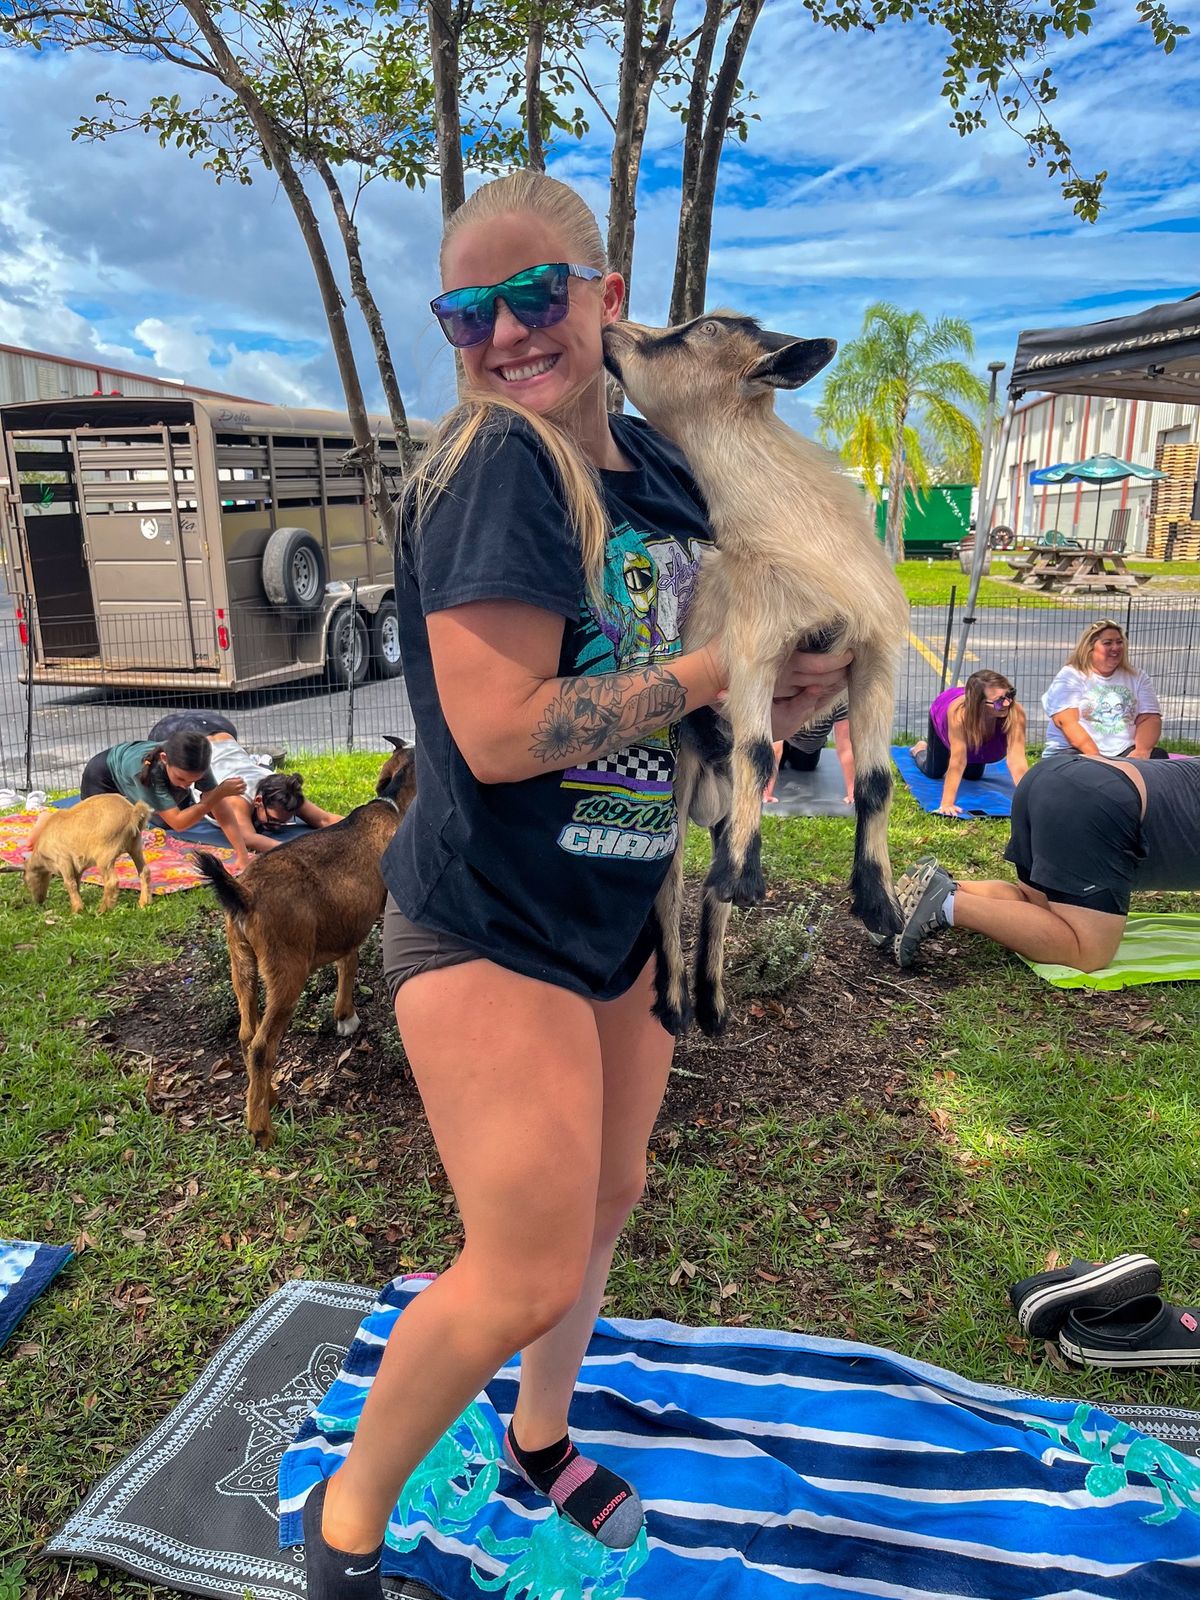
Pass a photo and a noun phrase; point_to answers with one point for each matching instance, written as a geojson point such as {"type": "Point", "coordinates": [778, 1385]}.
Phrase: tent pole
{"type": "Point", "coordinates": [1096, 526]}
{"type": "Point", "coordinates": [983, 528]}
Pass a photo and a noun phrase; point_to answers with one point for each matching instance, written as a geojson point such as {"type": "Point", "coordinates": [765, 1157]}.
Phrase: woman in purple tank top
{"type": "Point", "coordinates": [968, 729]}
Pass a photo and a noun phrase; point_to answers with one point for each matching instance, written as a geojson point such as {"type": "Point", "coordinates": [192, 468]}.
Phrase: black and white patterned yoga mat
{"type": "Point", "coordinates": [195, 1507]}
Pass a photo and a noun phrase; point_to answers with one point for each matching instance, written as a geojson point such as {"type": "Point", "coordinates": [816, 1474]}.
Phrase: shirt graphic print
{"type": "Point", "coordinates": [625, 808]}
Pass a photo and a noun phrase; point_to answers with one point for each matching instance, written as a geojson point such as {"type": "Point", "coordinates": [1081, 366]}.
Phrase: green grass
{"type": "Point", "coordinates": [1038, 1120]}
{"type": "Point", "coordinates": [928, 583]}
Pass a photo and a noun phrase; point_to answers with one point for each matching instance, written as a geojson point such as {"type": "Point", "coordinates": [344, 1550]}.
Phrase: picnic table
{"type": "Point", "coordinates": [1058, 569]}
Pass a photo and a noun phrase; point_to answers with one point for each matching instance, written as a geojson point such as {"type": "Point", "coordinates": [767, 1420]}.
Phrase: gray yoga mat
{"type": "Point", "coordinates": [811, 794]}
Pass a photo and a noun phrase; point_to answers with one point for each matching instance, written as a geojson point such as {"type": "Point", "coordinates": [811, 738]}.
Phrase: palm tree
{"type": "Point", "coordinates": [895, 386]}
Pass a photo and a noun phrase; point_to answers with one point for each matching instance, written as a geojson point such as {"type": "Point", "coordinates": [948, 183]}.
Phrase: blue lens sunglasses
{"type": "Point", "coordinates": [537, 297]}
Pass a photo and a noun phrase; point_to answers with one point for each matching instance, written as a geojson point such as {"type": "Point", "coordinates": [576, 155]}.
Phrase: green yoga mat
{"type": "Point", "coordinates": [1155, 949]}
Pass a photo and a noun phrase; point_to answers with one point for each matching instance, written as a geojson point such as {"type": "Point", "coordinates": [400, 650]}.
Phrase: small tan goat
{"type": "Point", "coordinates": [95, 833]}
{"type": "Point", "coordinates": [309, 904]}
{"type": "Point", "coordinates": [796, 564]}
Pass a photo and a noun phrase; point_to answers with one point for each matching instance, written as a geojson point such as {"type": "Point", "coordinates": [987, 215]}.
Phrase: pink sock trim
{"type": "Point", "coordinates": [573, 1476]}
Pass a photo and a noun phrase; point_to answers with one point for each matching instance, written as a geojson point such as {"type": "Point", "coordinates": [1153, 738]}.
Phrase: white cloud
{"type": "Point", "coordinates": [852, 188]}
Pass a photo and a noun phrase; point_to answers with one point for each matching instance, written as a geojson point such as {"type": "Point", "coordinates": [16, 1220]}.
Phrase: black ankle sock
{"type": "Point", "coordinates": [589, 1495]}
{"type": "Point", "coordinates": [333, 1574]}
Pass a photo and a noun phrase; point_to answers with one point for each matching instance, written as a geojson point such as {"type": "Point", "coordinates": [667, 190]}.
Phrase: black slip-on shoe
{"type": "Point", "coordinates": [1043, 1301]}
{"type": "Point", "coordinates": [1146, 1332]}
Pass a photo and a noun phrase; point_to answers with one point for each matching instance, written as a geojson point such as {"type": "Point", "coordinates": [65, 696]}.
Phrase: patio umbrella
{"type": "Point", "coordinates": [1057, 474]}
{"type": "Point", "coordinates": [1100, 469]}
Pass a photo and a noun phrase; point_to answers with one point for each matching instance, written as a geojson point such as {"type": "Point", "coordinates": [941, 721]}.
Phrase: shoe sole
{"type": "Point", "coordinates": [908, 944]}
{"type": "Point", "coordinates": [1086, 1356]}
{"type": "Point", "coordinates": [1108, 1285]}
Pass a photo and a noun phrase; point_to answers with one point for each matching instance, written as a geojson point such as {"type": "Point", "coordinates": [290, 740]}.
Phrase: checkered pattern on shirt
{"type": "Point", "coordinates": [648, 766]}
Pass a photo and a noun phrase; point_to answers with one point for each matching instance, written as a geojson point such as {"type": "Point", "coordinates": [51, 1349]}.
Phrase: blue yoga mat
{"type": "Point", "coordinates": [205, 831]}
{"type": "Point", "coordinates": [775, 1466]}
{"type": "Point", "coordinates": [25, 1270]}
{"type": "Point", "coordinates": [989, 796]}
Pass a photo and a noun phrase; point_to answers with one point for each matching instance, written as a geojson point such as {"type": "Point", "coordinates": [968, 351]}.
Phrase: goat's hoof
{"type": "Point", "coordinates": [739, 889]}
{"type": "Point", "coordinates": [348, 1025]}
{"type": "Point", "coordinates": [264, 1138]}
{"type": "Point", "coordinates": [712, 1018]}
{"type": "Point", "coordinates": [675, 1019]}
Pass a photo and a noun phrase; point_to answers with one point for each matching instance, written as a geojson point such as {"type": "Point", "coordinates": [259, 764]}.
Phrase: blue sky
{"type": "Point", "coordinates": [852, 188]}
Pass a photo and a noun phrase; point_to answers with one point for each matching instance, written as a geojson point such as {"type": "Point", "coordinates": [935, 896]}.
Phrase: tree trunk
{"type": "Point", "coordinates": [641, 63]}
{"type": "Point", "coordinates": [279, 156]}
{"type": "Point", "coordinates": [443, 51]}
{"type": "Point", "coordinates": [695, 247]}
{"type": "Point", "coordinates": [693, 140]}
{"type": "Point", "coordinates": [361, 290]}
{"type": "Point", "coordinates": [533, 87]}
{"type": "Point", "coordinates": [893, 533]}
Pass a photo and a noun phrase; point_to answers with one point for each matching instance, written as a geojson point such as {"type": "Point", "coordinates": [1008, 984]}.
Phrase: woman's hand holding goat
{"type": "Point", "coordinates": [809, 681]}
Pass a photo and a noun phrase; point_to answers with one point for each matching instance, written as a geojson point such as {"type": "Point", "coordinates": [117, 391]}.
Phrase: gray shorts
{"type": "Point", "coordinates": [409, 949]}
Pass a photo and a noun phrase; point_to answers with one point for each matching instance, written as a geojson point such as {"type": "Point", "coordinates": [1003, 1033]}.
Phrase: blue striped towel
{"type": "Point", "coordinates": [775, 1466]}
{"type": "Point", "coordinates": [25, 1270]}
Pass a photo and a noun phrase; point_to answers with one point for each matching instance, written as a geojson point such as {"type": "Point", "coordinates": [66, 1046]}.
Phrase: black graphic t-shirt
{"type": "Point", "coordinates": [553, 876]}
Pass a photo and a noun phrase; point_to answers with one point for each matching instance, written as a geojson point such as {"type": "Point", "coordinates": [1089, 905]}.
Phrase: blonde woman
{"type": "Point", "coordinates": [1100, 704]}
{"type": "Point", "coordinates": [969, 728]}
{"type": "Point", "coordinates": [547, 558]}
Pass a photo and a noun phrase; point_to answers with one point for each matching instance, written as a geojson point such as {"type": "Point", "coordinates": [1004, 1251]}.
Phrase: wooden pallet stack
{"type": "Point", "coordinates": [1174, 532]}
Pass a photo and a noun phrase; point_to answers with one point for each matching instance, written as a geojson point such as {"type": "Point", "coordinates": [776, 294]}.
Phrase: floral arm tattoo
{"type": "Point", "coordinates": [592, 716]}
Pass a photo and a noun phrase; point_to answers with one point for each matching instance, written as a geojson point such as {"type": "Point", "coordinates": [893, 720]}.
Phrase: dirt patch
{"type": "Point", "coordinates": [822, 1023]}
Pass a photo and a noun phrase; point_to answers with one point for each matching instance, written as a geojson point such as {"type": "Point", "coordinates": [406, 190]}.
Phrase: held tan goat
{"type": "Point", "coordinates": [306, 905]}
{"type": "Point", "coordinates": [796, 564]}
{"type": "Point", "coordinates": [95, 833]}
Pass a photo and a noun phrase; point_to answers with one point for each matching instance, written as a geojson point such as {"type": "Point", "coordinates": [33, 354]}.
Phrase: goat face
{"type": "Point", "coordinates": [398, 779]}
{"type": "Point", "coordinates": [707, 367]}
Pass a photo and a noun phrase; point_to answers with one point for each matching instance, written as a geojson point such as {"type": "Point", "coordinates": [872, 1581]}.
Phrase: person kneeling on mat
{"type": "Point", "coordinates": [969, 728]}
{"type": "Point", "coordinates": [268, 800]}
{"type": "Point", "coordinates": [802, 752]}
{"type": "Point", "coordinates": [1087, 832]}
{"type": "Point", "coordinates": [162, 773]}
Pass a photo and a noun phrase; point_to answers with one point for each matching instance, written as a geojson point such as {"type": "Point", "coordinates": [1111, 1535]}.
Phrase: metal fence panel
{"type": "Point", "coordinates": [48, 732]}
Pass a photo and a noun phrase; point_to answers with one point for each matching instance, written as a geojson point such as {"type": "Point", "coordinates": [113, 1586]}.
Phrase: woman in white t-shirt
{"type": "Point", "coordinates": [1100, 704]}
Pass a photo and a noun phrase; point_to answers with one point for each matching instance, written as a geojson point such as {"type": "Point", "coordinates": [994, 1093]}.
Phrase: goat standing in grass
{"type": "Point", "coordinates": [95, 833]}
{"type": "Point", "coordinates": [307, 905]}
{"type": "Point", "coordinates": [796, 565]}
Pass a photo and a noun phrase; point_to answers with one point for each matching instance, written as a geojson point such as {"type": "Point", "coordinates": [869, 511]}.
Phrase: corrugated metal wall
{"type": "Point", "coordinates": [1069, 428]}
{"type": "Point", "coordinates": [24, 375]}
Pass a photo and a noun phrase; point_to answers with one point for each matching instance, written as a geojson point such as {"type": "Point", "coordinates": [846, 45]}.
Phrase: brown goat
{"type": "Point", "coordinates": [95, 833]}
{"type": "Point", "coordinates": [796, 564]}
{"type": "Point", "coordinates": [306, 905]}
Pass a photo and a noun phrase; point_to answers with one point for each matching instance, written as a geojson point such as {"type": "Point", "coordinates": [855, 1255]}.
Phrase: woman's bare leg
{"type": "Point", "coordinates": [510, 1074]}
{"type": "Point", "coordinates": [1023, 920]}
{"type": "Point", "coordinates": [636, 1057]}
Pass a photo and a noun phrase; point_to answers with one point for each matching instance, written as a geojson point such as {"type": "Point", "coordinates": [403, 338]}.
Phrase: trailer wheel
{"type": "Point", "coordinates": [385, 641]}
{"type": "Point", "coordinates": [348, 649]}
{"type": "Point", "coordinates": [293, 569]}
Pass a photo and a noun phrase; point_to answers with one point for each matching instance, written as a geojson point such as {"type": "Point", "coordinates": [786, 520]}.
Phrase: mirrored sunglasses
{"type": "Point", "coordinates": [1004, 700]}
{"type": "Point", "coordinates": [537, 297]}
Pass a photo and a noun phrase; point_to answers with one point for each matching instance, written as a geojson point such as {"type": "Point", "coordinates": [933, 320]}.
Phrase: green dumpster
{"type": "Point", "coordinates": [936, 520]}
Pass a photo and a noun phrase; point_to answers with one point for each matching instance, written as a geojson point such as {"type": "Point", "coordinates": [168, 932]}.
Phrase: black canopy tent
{"type": "Point", "coordinates": [1151, 355]}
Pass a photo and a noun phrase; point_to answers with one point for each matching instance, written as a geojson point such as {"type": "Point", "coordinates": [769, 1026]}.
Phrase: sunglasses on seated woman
{"type": "Point", "coordinates": [537, 297]}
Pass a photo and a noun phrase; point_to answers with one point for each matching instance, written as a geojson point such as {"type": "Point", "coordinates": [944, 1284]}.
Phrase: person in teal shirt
{"type": "Point", "coordinates": [163, 774]}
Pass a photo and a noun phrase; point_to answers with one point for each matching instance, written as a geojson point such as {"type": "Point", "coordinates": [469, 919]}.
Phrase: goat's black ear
{"type": "Point", "coordinates": [399, 744]}
{"type": "Point", "coordinates": [789, 363]}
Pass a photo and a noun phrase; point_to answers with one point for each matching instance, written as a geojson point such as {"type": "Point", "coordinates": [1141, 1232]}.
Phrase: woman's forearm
{"type": "Point", "coordinates": [566, 721]}
{"type": "Point", "coordinates": [1147, 731]}
{"type": "Point", "coordinates": [950, 783]}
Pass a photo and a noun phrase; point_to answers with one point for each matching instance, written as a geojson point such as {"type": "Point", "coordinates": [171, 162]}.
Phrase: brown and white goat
{"type": "Point", "coordinates": [95, 833]}
{"type": "Point", "coordinates": [306, 905]}
{"type": "Point", "coordinates": [795, 564]}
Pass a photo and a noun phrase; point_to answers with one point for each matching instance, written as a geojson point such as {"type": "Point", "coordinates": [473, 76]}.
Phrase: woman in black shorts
{"type": "Point", "coordinates": [1087, 832]}
{"type": "Point", "coordinates": [547, 555]}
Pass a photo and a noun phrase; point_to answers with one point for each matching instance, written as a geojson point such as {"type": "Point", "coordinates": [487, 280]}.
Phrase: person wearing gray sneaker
{"type": "Point", "coordinates": [1087, 833]}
